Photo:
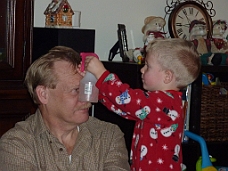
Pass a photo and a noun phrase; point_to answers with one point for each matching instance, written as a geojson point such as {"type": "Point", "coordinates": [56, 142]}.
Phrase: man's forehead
{"type": "Point", "coordinates": [65, 69]}
{"type": "Point", "coordinates": [62, 62]}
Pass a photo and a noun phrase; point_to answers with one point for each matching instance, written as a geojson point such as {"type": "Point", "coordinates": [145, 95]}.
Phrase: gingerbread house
{"type": "Point", "coordinates": [58, 14]}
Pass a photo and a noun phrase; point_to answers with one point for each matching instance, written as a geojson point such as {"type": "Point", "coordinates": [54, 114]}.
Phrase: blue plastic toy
{"type": "Point", "coordinates": [206, 163]}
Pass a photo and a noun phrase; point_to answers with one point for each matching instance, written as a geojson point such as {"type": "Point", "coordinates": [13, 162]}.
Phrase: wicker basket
{"type": "Point", "coordinates": [214, 113]}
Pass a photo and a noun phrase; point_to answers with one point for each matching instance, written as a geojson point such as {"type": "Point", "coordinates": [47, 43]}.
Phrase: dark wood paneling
{"type": "Point", "coordinates": [16, 41]}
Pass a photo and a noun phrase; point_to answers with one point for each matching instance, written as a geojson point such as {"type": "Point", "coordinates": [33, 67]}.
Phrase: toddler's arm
{"type": "Point", "coordinates": [94, 66]}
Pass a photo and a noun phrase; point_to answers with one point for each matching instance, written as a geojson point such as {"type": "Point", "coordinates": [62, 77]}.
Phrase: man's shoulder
{"type": "Point", "coordinates": [22, 131]}
{"type": "Point", "coordinates": [96, 125]}
{"type": "Point", "coordinates": [94, 119]}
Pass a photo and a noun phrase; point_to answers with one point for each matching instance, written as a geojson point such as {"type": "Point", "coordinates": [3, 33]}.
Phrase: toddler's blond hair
{"type": "Point", "coordinates": [177, 55]}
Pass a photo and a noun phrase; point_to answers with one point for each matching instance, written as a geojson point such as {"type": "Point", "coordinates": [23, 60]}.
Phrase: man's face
{"type": "Point", "coordinates": [63, 103]}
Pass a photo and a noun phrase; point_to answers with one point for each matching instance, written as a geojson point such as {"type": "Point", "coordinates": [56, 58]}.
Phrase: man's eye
{"type": "Point", "coordinates": [76, 90]}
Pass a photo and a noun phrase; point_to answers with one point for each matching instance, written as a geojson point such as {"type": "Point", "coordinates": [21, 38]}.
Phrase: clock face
{"type": "Point", "coordinates": [182, 16]}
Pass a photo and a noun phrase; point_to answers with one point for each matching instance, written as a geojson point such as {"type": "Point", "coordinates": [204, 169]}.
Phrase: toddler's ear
{"type": "Point", "coordinates": [168, 76]}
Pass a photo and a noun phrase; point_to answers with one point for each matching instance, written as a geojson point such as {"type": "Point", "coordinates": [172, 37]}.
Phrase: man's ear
{"type": "Point", "coordinates": [168, 76]}
{"type": "Point", "coordinates": [42, 94]}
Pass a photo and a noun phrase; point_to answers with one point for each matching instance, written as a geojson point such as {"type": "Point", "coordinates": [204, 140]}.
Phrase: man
{"type": "Point", "coordinates": [61, 135]}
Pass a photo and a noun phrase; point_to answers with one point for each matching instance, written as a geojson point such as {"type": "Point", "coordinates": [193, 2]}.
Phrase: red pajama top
{"type": "Point", "coordinates": [156, 142]}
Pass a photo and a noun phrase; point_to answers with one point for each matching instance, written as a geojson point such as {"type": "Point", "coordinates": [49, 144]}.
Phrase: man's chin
{"type": "Point", "coordinates": [84, 118]}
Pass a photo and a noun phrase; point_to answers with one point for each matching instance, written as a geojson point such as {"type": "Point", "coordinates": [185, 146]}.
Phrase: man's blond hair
{"type": "Point", "coordinates": [41, 72]}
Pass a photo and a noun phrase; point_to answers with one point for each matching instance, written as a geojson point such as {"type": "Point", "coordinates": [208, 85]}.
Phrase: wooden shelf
{"type": "Point", "coordinates": [220, 68]}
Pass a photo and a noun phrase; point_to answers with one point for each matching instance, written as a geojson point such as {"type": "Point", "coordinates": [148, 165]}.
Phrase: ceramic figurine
{"type": "Point", "coordinates": [152, 29]}
{"type": "Point", "coordinates": [207, 48]}
{"type": "Point", "coordinates": [58, 14]}
{"type": "Point", "coordinates": [219, 43]}
{"type": "Point", "coordinates": [198, 35]}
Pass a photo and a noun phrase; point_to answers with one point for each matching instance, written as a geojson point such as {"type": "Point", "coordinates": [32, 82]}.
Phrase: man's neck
{"type": "Point", "coordinates": [65, 133]}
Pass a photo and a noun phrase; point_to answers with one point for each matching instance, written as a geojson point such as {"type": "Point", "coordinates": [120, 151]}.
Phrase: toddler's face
{"type": "Point", "coordinates": [152, 74]}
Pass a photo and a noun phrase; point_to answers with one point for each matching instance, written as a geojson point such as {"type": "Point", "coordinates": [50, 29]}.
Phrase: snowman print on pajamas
{"type": "Point", "coordinates": [168, 131]}
{"type": "Point", "coordinates": [110, 77]}
{"type": "Point", "coordinates": [143, 152]}
{"type": "Point", "coordinates": [153, 133]}
{"type": "Point", "coordinates": [171, 113]}
{"type": "Point", "coordinates": [123, 98]}
{"type": "Point", "coordinates": [143, 112]}
{"type": "Point", "coordinates": [118, 111]}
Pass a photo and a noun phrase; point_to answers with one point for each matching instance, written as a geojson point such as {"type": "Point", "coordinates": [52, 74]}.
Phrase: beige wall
{"type": "Point", "coordinates": [104, 15]}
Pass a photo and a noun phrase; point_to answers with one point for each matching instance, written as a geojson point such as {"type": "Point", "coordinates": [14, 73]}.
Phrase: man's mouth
{"type": "Point", "coordinates": [85, 106]}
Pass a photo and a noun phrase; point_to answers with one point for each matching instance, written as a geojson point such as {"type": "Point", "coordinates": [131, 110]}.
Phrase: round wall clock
{"type": "Point", "coordinates": [182, 16]}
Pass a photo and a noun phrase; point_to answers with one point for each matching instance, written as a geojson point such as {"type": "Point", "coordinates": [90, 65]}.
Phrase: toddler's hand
{"type": "Point", "coordinates": [82, 73]}
{"type": "Point", "coordinates": [95, 66]}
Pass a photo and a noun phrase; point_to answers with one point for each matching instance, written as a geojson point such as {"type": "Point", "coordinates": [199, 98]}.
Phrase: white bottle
{"type": "Point", "coordinates": [88, 92]}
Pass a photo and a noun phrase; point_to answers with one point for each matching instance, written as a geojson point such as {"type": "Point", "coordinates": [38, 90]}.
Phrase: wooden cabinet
{"type": "Point", "coordinates": [81, 40]}
{"type": "Point", "coordinates": [15, 57]}
{"type": "Point", "coordinates": [130, 73]}
{"type": "Point", "coordinates": [17, 20]}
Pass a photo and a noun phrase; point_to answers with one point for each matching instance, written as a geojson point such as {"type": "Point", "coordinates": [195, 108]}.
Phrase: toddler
{"type": "Point", "coordinates": [170, 65]}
